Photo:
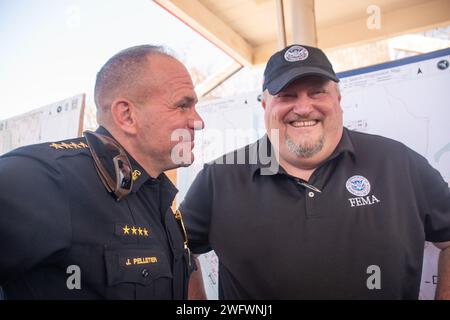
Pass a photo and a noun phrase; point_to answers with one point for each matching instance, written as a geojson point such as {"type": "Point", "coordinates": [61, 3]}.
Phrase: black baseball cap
{"type": "Point", "coordinates": [294, 62]}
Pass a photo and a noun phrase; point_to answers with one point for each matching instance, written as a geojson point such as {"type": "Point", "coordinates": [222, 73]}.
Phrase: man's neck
{"type": "Point", "coordinates": [299, 172]}
{"type": "Point", "coordinates": [144, 161]}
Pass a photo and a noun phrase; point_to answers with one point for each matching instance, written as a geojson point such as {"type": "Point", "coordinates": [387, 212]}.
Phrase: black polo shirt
{"type": "Point", "coordinates": [361, 237]}
{"type": "Point", "coordinates": [56, 213]}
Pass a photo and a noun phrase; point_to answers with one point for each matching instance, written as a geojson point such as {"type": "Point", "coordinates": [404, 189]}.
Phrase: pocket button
{"type": "Point", "coordinates": [145, 273]}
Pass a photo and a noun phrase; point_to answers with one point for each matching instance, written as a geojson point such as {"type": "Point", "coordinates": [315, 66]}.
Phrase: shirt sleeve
{"type": "Point", "coordinates": [196, 209]}
{"type": "Point", "coordinates": [34, 219]}
{"type": "Point", "coordinates": [435, 195]}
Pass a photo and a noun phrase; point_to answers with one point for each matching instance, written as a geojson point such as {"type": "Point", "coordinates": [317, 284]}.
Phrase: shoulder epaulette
{"type": "Point", "coordinates": [52, 150]}
{"type": "Point", "coordinates": [68, 145]}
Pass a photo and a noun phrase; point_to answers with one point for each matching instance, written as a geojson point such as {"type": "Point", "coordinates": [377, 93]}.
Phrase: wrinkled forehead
{"type": "Point", "coordinates": [165, 73]}
{"type": "Point", "coordinates": [163, 68]}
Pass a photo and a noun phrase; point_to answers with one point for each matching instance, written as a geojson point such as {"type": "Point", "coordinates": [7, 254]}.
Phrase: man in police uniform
{"type": "Point", "coordinates": [334, 214]}
{"type": "Point", "coordinates": [90, 218]}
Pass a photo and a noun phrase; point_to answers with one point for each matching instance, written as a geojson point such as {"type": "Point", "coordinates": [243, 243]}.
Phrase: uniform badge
{"type": "Point", "coordinates": [136, 174]}
{"type": "Point", "coordinates": [296, 53]}
{"type": "Point", "coordinates": [358, 186]}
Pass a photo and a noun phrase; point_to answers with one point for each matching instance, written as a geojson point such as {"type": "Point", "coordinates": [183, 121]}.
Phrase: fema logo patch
{"type": "Point", "coordinates": [358, 185]}
{"type": "Point", "coordinates": [296, 53]}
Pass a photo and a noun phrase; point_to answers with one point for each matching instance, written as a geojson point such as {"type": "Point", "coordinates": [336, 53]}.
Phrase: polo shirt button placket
{"type": "Point", "coordinates": [310, 203]}
{"type": "Point", "coordinates": [310, 191]}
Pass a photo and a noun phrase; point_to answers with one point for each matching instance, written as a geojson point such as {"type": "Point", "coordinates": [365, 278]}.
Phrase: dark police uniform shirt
{"type": "Point", "coordinates": [56, 216]}
{"type": "Point", "coordinates": [361, 237]}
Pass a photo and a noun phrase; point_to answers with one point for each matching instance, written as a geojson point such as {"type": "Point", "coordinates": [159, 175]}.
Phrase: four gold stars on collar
{"type": "Point", "coordinates": [137, 231]}
{"type": "Point", "coordinates": [71, 145]}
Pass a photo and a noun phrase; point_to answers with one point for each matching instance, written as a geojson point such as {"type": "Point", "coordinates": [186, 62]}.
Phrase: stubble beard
{"type": "Point", "coordinates": [305, 150]}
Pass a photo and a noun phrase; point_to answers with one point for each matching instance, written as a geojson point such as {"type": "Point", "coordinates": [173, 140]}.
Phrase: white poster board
{"type": "Point", "coordinates": [54, 122]}
{"type": "Point", "coordinates": [407, 100]}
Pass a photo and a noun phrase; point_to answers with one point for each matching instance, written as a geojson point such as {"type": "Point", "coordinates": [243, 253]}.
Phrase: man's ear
{"type": "Point", "coordinates": [338, 90]}
{"type": "Point", "coordinates": [123, 114]}
{"type": "Point", "coordinates": [264, 99]}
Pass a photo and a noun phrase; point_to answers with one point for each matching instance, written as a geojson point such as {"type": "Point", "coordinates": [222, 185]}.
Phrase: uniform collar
{"type": "Point", "coordinates": [345, 145]}
{"type": "Point", "coordinates": [140, 176]}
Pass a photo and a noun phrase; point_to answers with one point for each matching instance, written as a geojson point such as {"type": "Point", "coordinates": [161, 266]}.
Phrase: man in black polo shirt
{"type": "Point", "coordinates": [91, 218]}
{"type": "Point", "coordinates": [317, 211]}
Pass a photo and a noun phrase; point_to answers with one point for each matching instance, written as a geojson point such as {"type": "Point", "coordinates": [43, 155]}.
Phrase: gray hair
{"type": "Point", "coordinates": [121, 73]}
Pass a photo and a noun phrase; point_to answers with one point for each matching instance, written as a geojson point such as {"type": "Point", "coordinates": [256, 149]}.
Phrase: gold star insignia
{"type": "Point", "coordinates": [56, 146]}
{"type": "Point", "coordinates": [76, 146]}
{"type": "Point", "coordinates": [83, 145]}
{"type": "Point", "coordinates": [145, 232]}
{"type": "Point", "coordinates": [67, 146]}
{"type": "Point", "coordinates": [126, 230]}
{"type": "Point", "coordinates": [140, 231]}
{"type": "Point", "coordinates": [133, 230]}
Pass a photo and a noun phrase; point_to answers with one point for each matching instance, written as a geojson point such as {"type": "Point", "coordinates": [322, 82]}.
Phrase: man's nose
{"type": "Point", "coordinates": [196, 122]}
{"type": "Point", "coordinates": [303, 104]}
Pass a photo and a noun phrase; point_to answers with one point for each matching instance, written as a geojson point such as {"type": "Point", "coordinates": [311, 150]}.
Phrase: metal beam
{"type": "Point", "coordinates": [303, 22]}
{"type": "Point", "coordinates": [217, 79]}
{"type": "Point", "coordinates": [198, 17]}
{"type": "Point", "coordinates": [281, 30]}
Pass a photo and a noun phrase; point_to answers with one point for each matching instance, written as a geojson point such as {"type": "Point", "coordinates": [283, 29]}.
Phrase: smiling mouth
{"type": "Point", "coordinates": [303, 123]}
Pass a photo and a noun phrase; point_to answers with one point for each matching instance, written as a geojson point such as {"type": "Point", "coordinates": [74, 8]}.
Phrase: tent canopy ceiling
{"type": "Point", "coordinates": [248, 29]}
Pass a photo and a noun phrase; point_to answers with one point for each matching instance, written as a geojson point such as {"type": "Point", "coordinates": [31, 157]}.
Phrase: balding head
{"type": "Point", "coordinates": [121, 77]}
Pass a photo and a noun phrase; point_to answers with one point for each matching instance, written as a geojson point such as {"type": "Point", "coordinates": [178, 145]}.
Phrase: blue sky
{"type": "Point", "coordinates": [52, 49]}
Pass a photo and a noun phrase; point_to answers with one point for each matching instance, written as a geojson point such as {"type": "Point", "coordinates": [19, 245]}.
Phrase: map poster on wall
{"type": "Point", "coordinates": [57, 121]}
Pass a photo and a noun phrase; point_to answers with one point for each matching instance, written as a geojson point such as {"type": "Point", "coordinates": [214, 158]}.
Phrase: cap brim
{"type": "Point", "coordinates": [277, 84]}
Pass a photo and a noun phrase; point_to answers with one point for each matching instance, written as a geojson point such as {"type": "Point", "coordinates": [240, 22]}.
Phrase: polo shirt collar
{"type": "Point", "coordinates": [345, 145]}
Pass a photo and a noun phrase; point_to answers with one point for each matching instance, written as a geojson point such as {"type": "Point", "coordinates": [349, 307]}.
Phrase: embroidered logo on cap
{"type": "Point", "coordinates": [296, 53]}
{"type": "Point", "coordinates": [358, 186]}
